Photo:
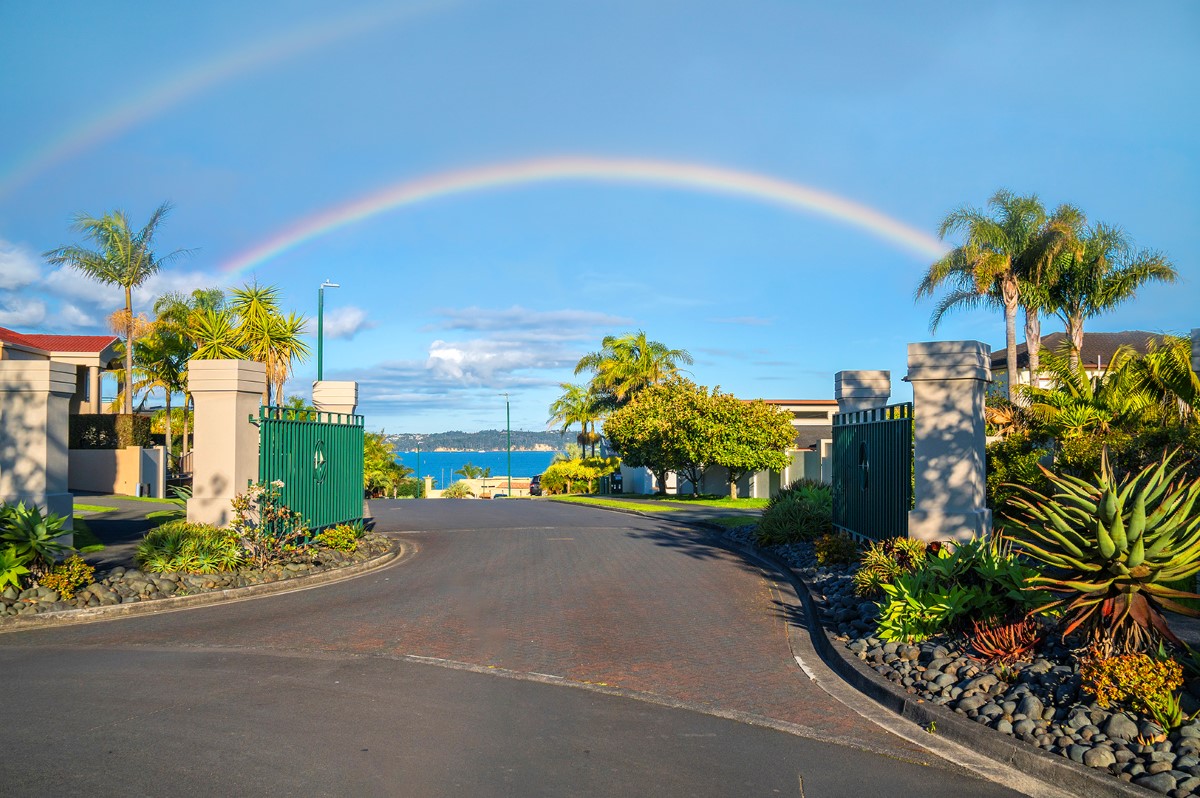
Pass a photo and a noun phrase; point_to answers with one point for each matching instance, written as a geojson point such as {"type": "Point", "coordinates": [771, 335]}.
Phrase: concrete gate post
{"type": "Point", "coordinates": [35, 397]}
{"type": "Point", "coordinates": [861, 390]}
{"type": "Point", "coordinates": [228, 394]}
{"type": "Point", "coordinates": [335, 396]}
{"type": "Point", "coordinates": [949, 381]}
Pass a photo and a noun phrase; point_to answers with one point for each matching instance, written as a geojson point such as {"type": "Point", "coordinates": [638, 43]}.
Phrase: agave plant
{"type": "Point", "coordinates": [1111, 545]}
{"type": "Point", "coordinates": [34, 536]}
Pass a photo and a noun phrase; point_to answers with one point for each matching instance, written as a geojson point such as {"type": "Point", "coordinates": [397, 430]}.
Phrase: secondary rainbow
{"type": "Point", "coordinates": [261, 53]}
{"type": "Point", "coordinates": [687, 176]}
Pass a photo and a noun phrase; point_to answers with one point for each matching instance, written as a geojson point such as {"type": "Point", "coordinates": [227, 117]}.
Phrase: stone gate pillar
{"type": "Point", "coordinates": [949, 381]}
{"type": "Point", "coordinates": [35, 397]}
{"type": "Point", "coordinates": [335, 396]}
{"type": "Point", "coordinates": [861, 390]}
{"type": "Point", "coordinates": [228, 394]}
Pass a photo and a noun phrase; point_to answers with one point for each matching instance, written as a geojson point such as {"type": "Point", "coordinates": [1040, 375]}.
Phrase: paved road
{"type": "Point", "coordinates": [451, 674]}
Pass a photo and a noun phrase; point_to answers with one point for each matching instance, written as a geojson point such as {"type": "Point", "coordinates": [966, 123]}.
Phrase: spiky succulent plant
{"type": "Point", "coordinates": [1110, 547]}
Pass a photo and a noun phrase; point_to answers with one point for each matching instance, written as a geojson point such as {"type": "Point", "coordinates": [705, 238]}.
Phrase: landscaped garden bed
{"type": "Point", "coordinates": [996, 631]}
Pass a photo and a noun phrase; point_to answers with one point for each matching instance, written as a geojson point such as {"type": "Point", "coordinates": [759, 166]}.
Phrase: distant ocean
{"type": "Point", "coordinates": [442, 465]}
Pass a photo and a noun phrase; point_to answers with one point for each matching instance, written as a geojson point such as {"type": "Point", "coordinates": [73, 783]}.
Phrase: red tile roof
{"type": "Point", "coordinates": [58, 343]}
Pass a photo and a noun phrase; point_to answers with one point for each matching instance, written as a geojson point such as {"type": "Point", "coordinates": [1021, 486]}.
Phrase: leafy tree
{"type": "Point", "coordinates": [627, 364]}
{"type": "Point", "coordinates": [381, 473]}
{"type": "Point", "coordinates": [187, 318]}
{"type": "Point", "coordinates": [124, 257]}
{"type": "Point", "coordinates": [1165, 372]}
{"type": "Point", "coordinates": [1079, 404]}
{"type": "Point", "coordinates": [268, 336]}
{"type": "Point", "coordinates": [1097, 271]}
{"type": "Point", "coordinates": [751, 436]}
{"type": "Point", "coordinates": [988, 267]}
{"type": "Point", "coordinates": [651, 430]}
{"type": "Point", "coordinates": [564, 475]}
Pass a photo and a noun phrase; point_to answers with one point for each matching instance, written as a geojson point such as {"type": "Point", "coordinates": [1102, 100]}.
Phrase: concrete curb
{"type": "Point", "coordinates": [400, 550]}
{"type": "Point", "coordinates": [1030, 760]}
{"type": "Point", "coordinates": [1054, 771]}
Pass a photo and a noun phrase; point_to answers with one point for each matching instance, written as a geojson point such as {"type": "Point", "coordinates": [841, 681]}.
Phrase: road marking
{"type": "Point", "coordinates": [804, 667]}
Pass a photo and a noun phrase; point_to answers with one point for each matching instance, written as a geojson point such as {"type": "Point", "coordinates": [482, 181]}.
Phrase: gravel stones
{"type": "Point", "coordinates": [1159, 782]}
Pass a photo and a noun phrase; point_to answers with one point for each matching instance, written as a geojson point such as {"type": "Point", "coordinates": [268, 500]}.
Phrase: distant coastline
{"type": "Point", "coordinates": [488, 440]}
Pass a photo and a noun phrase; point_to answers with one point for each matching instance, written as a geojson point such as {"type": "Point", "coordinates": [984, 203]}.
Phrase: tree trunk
{"type": "Point", "coordinates": [128, 350]}
{"type": "Point", "coordinates": [661, 478]}
{"type": "Point", "coordinates": [733, 493]}
{"type": "Point", "coordinates": [1075, 338]}
{"type": "Point", "coordinates": [1010, 340]}
{"type": "Point", "coordinates": [1033, 343]}
{"type": "Point", "coordinates": [168, 403]}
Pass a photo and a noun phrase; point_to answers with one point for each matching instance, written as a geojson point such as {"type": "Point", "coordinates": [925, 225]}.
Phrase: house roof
{"type": "Point", "coordinates": [58, 343]}
{"type": "Point", "coordinates": [1098, 348]}
{"type": "Point", "coordinates": [810, 436]}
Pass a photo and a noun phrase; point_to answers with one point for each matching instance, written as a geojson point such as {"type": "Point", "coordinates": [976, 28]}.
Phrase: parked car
{"type": "Point", "coordinates": [535, 486]}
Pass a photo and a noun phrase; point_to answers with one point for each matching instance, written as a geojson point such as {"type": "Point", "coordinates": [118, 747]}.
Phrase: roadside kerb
{"type": "Point", "coordinates": [401, 550]}
{"type": "Point", "coordinates": [1060, 775]}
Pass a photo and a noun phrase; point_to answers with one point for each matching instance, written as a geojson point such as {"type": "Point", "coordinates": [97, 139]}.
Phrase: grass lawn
{"type": "Point", "coordinates": [604, 502]}
{"type": "Point", "coordinates": [85, 540]}
{"type": "Point", "coordinates": [163, 516]}
{"type": "Point", "coordinates": [93, 508]}
{"type": "Point", "coordinates": [709, 501]}
{"type": "Point", "coordinates": [142, 499]}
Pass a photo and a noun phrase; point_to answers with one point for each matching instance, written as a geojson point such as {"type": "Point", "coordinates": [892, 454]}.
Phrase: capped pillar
{"type": "Point", "coordinates": [227, 394]}
{"type": "Point", "coordinates": [861, 390]}
{"type": "Point", "coordinates": [35, 398]}
{"type": "Point", "coordinates": [949, 381]}
{"type": "Point", "coordinates": [335, 396]}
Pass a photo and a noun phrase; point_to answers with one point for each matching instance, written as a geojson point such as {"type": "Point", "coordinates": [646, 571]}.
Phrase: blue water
{"type": "Point", "coordinates": [442, 465]}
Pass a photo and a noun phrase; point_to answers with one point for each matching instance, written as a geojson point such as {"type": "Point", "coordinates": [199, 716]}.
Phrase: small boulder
{"type": "Point", "coordinates": [1099, 758]}
{"type": "Point", "coordinates": [1159, 782]}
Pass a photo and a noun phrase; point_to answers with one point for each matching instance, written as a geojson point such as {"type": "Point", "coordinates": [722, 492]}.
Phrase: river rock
{"type": "Point", "coordinates": [1098, 758]}
{"type": "Point", "coordinates": [1159, 782]}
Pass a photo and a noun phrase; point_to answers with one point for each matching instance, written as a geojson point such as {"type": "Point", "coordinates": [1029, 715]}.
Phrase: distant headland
{"type": "Point", "coordinates": [488, 440]}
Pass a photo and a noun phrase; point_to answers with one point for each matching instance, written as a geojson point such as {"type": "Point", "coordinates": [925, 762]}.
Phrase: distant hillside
{"type": "Point", "coordinates": [488, 440]}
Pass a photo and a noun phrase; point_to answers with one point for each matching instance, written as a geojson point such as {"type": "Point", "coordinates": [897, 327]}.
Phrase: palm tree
{"type": "Point", "coordinates": [470, 471]}
{"type": "Point", "coordinates": [1036, 274]}
{"type": "Point", "coordinates": [627, 364]}
{"type": "Point", "coordinates": [1097, 272]}
{"type": "Point", "coordinates": [1165, 372]}
{"type": "Point", "coordinates": [986, 268]}
{"type": "Point", "coordinates": [266, 335]}
{"type": "Point", "coordinates": [162, 360]}
{"type": "Point", "coordinates": [124, 257]}
{"type": "Point", "coordinates": [1079, 404]}
{"type": "Point", "coordinates": [577, 405]}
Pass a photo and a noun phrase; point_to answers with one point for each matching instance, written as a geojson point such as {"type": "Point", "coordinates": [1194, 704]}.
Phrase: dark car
{"type": "Point", "coordinates": [535, 486]}
{"type": "Point", "coordinates": [615, 483]}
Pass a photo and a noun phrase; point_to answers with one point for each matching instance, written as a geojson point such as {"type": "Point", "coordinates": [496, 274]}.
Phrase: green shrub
{"type": "Point", "coordinates": [1011, 462]}
{"type": "Point", "coordinates": [836, 548]}
{"type": "Point", "coordinates": [109, 431]}
{"type": "Point", "coordinates": [978, 579]}
{"type": "Point", "coordinates": [1146, 684]}
{"type": "Point", "coordinates": [267, 530]}
{"type": "Point", "coordinates": [343, 537]}
{"type": "Point", "coordinates": [33, 536]}
{"type": "Point", "coordinates": [884, 561]}
{"type": "Point", "coordinates": [1111, 546]}
{"type": "Point", "coordinates": [68, 576]}
{"type": "Point", "coordinates": [13, 567]}
{"type": "Point", "coordinates": [192, 548]}
{"type": "Point", "coordinates": [459, 490]}
{"type": "Point", "coordinates": [801, 511]}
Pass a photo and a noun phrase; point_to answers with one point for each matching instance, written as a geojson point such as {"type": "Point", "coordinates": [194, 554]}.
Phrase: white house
{"type": "Point", "coordinates": [1095, 355]}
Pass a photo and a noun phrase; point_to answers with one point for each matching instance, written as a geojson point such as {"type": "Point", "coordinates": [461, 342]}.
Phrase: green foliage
{"type": "Point", "coordinates": [884, 561]}
{"type": "Point", "coordinates": [34, 536]}
{"type": "Point", "coordinates": [13, 566]}
{"type": "Point", "coordinates": [567, 475]}
{"type": "Point", "coordinates": [68, 576]}
{"type": "Point", "coordinates": [109, 431]}
{"type": "Point", "coordinates": [1013, 461]}
{"type": "Point", "coordinates": [1111, 545]}
{"type": "Point", "coordinates": [801, 511]}
{"type": "Point", "coordinates": [977, 580]}
{"type": "Point", "coordinates": [1146, 684]}
{"type": "Point", "coordinates": [382, 475]}
{"type": "Point", "coordinates": [471, 471]}
{"type": "Point", "coordinates": [266, 528]}
{"type": "Point", "coordinates": [749, 437]}
{"type": "Point", "coordinates": [410, 489]}
{"type": "Point", "coordinates": [459, 490]}
{"type": "Point", "coordinates": [628, 364]}
{"type": "Point", "coordinates": [836, 548]}
{"type": "Point", "coordinates": [343, 537]}
{"type": "Point", "coordinates": [191, 548]}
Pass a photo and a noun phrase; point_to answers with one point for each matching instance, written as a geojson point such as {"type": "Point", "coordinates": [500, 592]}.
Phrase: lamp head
{"type": "Point", "coordinates": [328, 284]}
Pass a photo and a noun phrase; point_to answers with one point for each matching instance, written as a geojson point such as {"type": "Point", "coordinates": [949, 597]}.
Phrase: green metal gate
{"type": "Point", "coordinates": [318, 457]}
{"type": "Point", "coordinates": [872, 471]}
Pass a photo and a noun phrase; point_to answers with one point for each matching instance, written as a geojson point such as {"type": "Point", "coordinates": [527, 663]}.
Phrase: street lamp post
{"type": "Point", "coordinates": [321, 327]}
{"type": "Point", "coordinates": [508, 436]}
{"type": "Point", "coordinates": [420, 489]}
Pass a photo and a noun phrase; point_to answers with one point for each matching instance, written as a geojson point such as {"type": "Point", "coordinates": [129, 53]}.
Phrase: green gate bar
{"type": "Point", "coordinates": [319, 458]}
{"type": "Point", "coordinates": [872, 471]}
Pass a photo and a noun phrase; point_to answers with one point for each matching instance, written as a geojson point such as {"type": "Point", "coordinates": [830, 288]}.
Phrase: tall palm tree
{"type": "Point", "coordinates": [630, 363]}
{"type": "Point", "coordinates": [124, 257]}
{"type": "Point", "coordinates": [986, 268]}
{"type": "Point", "coordinates": [266, 335]}
{"type": "Point", "coordinates": [577, 405]}
{"type": "Point", "coordinates": [1036, 273]}
{"type": "Point", "coordinates": [1097, 272]}
{"type": "Point", "coordinates": [162, 359]}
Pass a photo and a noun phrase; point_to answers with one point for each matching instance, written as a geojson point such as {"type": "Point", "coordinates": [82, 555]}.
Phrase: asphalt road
{"type": "Point", "coordinates": [524, 649]}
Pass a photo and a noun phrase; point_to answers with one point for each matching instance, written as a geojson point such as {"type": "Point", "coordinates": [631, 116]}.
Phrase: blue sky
{"type": "Point", "coordinates": [253, 117]}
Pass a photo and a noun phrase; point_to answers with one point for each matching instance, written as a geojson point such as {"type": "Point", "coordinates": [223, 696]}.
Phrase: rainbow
{"type": "Point", "coordinates": [260, 53]}
{"type": "Point", "coordinates": [687, 176]}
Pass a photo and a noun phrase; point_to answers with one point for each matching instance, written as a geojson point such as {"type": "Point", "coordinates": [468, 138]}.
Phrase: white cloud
{"type": "Point", "coordinates": [530, 325]}
{"type": "Point", "coordinates": [18, 267]}
{"type": "Point", "coordinates": [18, 312]}
{"type": "Point", "coordinates": [346, 322]}
{"type": "Point", "coordinates": [71, 316]}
